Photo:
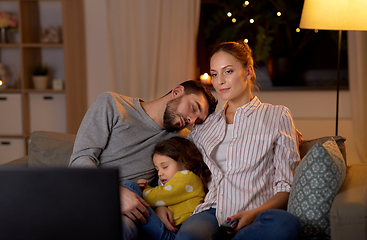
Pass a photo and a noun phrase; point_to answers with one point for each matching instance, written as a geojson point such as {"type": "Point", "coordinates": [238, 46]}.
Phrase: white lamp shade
{"type": "Point", "coordinates": [334, 15]}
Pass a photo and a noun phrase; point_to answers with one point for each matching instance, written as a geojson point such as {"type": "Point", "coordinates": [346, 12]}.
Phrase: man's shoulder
{"type": "Point", "coordinates": [116, 99]}
{"type": "Point", "coordinates": [113, 95]}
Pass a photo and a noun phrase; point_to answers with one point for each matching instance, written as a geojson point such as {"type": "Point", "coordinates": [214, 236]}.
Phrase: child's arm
{"type": "Point", "coordinates": [181, 187]}
{"type": "Point", "coordinates": [142, 183]}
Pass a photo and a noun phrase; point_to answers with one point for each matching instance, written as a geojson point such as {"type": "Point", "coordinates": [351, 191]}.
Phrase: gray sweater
{"type": "Point", "coordinates": [117, 133]}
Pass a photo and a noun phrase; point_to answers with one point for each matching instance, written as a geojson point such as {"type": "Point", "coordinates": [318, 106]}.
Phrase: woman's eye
{"type": "Point", "coordinates": [214, 75]}
{"type": "Point", "coordinates": [229, 71]}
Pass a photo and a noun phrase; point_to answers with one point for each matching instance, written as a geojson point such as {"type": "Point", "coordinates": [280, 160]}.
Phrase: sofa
{"type": "Point", "coordinates": [346, 215]}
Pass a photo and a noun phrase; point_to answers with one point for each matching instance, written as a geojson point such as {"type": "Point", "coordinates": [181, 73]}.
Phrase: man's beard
{"type": "Point", "coordinates": [170, 115]}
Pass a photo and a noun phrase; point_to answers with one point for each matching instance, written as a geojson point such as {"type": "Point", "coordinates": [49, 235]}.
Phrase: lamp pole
{"type": "Point", "coordinates": [338, 83]}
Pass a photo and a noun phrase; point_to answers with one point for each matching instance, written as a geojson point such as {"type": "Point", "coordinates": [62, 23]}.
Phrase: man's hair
{"type": "Point", "coordinates": [197, 87]}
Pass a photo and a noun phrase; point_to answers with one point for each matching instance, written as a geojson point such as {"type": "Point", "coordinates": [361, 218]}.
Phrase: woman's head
{"type": "Point", "coordinates": [232, 61]}
{"type": "Point", "coordinates": [184, 153]}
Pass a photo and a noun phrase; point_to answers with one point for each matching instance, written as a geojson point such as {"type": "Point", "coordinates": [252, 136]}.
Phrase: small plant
{"type": "Point", "coordinates": [40, 70]}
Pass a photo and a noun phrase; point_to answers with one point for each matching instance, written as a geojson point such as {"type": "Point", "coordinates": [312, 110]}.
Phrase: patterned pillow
{"type": "Point", "coordinates": [317, 180]}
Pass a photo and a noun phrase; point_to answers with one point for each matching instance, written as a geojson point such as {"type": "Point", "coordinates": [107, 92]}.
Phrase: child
{"type": "Point", "coordinates": [184, 177]}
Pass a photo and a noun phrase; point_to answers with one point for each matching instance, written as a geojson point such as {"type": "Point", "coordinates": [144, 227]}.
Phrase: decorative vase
{"type": "Point", "coordinates": [40, 82]}
{"type": "Point", "coordinates": [4, 35]}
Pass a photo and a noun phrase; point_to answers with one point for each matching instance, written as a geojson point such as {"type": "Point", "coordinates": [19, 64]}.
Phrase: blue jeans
{"type": "Point", "coordinates": [153, 229]}
{"type": "Point", "coordinates": [271, 224]}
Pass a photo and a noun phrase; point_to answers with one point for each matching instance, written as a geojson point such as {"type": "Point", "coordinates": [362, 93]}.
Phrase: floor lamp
{"type": "Point", "coordinates": [335, 15]}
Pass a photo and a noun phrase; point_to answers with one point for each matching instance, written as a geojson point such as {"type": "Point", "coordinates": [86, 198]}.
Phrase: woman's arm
{"type": "Point", "coordinates": [286, 159]}
{"type": "Point", "coordinates": [278, 201]}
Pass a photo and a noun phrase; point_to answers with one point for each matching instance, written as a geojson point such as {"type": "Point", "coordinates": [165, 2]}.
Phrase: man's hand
{"type": "Point", "coordinates": [166, 217]}
{"type": "Point", "coordinates": [133, 206]}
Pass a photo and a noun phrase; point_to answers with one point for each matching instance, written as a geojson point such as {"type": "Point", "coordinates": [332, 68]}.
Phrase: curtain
{"type": "Point", "coordinates": [357, 62]}
{"type": "Point", "coordinates": [152, 45]}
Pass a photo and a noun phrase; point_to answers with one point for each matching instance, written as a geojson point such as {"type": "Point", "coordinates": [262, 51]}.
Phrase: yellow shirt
{"type": "Point", "coordinates": [181, 194]}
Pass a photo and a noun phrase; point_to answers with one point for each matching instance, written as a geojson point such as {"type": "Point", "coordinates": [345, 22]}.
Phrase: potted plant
{"type": "Point", "coordinates": [40, 76]}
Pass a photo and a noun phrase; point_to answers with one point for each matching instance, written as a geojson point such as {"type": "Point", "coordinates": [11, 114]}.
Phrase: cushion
{"type": "Point", "coordinates": [50, 149]}
{"type": "Point", "coordinates": [317, 180]}
{"type": "Point", "coordinates": [306, 145]}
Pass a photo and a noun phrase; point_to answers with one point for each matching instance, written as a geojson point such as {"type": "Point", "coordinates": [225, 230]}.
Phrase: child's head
{"type": "Point", "coordinates": [176, 154]}
{"type": "Point", "coordinates": [166, 167]}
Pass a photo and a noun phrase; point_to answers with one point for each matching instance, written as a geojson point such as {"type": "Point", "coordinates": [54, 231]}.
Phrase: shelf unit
{"type": "Point", "coordinates": [49, 110]}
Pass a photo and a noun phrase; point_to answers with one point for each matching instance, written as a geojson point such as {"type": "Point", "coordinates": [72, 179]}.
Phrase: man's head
{"type": "Point", "coordinates": [191, 104]}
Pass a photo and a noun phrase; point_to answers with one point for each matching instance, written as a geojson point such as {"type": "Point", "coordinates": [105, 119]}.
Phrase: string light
{"type": "Point", "coordinates": [252, 20]}
{"type": "Point", "coordinates": [229, 14]}
{"type": "Point", "coordinates": [316, 30]}
{"type": "Point", "coordinates": [298, 30]}
{"type": "Point", "coordinates": [279, 14]}
{"type": "Point", "coordinates": [245, 40]}
{"type": "Point", "coordinates": [234, 20]}
{"type": "Point", "coordinates": [246, 3]}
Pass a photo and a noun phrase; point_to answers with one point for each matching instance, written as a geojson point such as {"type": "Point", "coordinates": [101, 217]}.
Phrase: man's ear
{"type": "Point", "coordinates": [178, 91]}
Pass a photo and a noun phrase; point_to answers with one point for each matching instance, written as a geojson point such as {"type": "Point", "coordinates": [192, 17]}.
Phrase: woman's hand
{"type": "Point", "coordinates": [244, 219]}
{"type": "Point", "coordinates": [278, 201]}
{"type": "Point", "coordinates": [166, 217]}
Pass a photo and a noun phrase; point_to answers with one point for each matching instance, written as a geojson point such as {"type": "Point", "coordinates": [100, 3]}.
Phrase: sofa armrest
{"type": "Point", "coordinates": [50, 149]}
{"type": "Point", "coordinates": [348, 214]}
{"type": "Point", "coordinates": [23, 161]}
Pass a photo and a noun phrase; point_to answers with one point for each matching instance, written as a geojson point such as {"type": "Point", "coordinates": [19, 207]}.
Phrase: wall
{"type": "Point", "coordinates": [313, 111]}
{"type": "Point", "coordinates": [97, 48]}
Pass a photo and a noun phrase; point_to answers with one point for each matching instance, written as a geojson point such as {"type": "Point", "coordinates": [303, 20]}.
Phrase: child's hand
{"type": "Point", "coordinates": [142, 183]}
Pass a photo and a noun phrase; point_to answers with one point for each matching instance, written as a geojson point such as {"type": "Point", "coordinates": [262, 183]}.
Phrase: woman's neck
{"type": "Point", "coordinates": [233, 104]}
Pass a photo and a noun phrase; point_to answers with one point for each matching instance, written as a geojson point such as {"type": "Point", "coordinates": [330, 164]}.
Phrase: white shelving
{"type": "Point", "coordinates": [24, 109]}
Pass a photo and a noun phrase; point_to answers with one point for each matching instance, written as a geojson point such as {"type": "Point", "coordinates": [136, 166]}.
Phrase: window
{"type": "Point", "coordinates": [285, 57]}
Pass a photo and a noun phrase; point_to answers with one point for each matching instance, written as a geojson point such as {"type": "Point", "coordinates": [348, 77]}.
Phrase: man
{"type": "Point", "coordinates": [121, 132]}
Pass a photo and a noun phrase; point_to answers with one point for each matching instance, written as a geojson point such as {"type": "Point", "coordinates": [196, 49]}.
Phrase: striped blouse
{"type": "Point", "coordinates": [261, 157]}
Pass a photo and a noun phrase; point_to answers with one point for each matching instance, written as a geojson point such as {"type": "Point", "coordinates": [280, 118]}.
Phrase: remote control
{"type": "Point", "coordinates": [229, 225]}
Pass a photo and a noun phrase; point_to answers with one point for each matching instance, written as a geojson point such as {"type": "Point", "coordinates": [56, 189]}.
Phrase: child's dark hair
{"type": "Point", "coordinates": [187, 155]}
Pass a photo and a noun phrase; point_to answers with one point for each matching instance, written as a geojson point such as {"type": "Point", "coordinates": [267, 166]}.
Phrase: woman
{"type": "Point", "coordinates": [251, 149]}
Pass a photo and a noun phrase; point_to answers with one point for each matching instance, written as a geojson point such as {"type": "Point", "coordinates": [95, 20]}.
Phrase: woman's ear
{"type": "Point", "coordinates": [250, 71]}
{"type": "Point", "coordinates": [178, 91]}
